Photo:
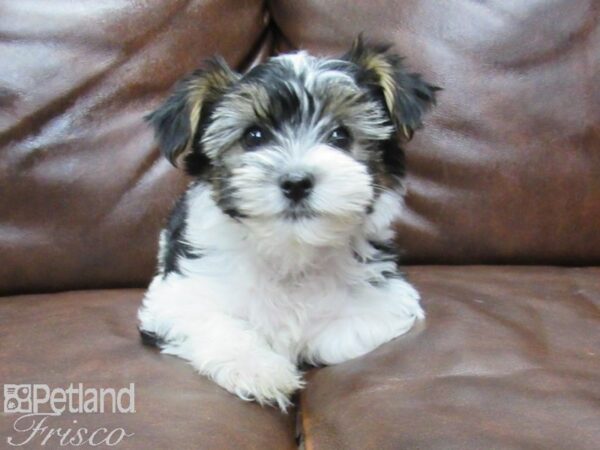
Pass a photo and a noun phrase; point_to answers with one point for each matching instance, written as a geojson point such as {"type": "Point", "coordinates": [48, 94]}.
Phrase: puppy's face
{"type": "Point", "coordinates": [299, 147]}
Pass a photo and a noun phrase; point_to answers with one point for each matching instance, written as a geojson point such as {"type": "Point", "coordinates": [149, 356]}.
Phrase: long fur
{"type": "Point", "coordinates": [250, 284]}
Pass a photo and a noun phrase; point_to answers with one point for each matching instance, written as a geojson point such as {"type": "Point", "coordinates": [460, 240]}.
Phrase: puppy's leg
{"type": "Point", "coordinates": [375, 316]}
{"type": "Point", "coordinates": [224, 348]}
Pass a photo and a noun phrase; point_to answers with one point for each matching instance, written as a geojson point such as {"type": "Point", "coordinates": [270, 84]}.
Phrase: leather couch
{"type": "Point", "coordinates": [501, 230]}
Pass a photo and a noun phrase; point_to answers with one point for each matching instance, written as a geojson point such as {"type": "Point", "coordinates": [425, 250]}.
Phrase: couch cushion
{"type": "Point", "coordinates": [506, 169]}
{"type": "Point", "coordinates": [91, 338]}
{"type": "Point", "coordinates": [508, 358]}
{"type": "Point", "coordinates": [83, 190]}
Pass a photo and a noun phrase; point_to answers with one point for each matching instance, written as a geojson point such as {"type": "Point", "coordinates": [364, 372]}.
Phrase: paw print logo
{"type": "Point", "coordinates": [17, 398]}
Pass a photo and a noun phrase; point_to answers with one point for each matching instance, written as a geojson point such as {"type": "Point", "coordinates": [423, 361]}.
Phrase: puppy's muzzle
{"type": "Point", "coordinates": [297, 186]}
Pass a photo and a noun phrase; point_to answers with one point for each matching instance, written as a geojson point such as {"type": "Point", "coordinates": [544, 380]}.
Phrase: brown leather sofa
{"type": "Point", "coordinates": [501, 231]}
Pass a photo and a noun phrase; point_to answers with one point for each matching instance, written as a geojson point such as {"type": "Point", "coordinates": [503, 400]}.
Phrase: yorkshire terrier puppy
{"type": "Point", "coordinates": [281, 250]}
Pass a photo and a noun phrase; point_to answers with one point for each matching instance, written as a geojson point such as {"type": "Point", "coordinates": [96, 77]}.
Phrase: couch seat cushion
{"type": "Point", "coordinates": [90, 337]}
{"type": "Point", "coordinates": [508, 358]}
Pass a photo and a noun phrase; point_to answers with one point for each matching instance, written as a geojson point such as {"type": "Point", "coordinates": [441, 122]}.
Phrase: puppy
{"type": "Point", "coordinates": [280, 252]}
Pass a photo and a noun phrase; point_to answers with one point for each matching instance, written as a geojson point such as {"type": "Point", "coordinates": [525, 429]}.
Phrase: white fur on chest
{"type": "Point", "coordinates": [285, 293]}
{"type": "Point", "coordinates": [311, 304]}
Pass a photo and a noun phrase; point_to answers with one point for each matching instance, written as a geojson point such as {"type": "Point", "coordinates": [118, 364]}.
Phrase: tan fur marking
{"type": "Point", "coordinates": [384, 71]}
{"type": "Point", "coordinates": [206, 87]}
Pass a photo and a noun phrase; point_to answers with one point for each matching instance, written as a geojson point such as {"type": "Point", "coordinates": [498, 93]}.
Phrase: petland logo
{"type": "Point", "coordinates": [37, 404]}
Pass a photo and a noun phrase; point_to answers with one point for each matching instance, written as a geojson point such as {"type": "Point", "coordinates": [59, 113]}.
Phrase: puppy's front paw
{"type": "Point", "coordinates": [268, 378]}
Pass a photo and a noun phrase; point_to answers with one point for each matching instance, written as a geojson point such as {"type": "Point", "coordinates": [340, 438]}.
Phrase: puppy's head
{"type": "Point", "coordinates": [299, 147]}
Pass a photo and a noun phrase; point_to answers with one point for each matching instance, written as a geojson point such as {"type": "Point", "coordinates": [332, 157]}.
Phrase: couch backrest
{"type": "Point", "coordinates": [83, 190]}
{"type": "Point", "coordinates": [507, 169]}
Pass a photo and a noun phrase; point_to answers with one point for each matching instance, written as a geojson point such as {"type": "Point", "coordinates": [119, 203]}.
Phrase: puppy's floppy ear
{"type": "Point", "coordinates": [179, 121]}
{"type": "Point", "coordinates": [406, 95]}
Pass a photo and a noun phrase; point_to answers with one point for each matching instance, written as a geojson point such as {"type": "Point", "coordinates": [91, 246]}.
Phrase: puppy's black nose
{"type": "Point", "coordinates": [296, 186]}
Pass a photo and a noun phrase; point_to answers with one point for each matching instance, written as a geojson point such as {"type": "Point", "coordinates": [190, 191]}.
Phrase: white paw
{"type": "Point", "coordinates": [406, 300]}
{"type": "Point", "coordinates": [268, 378]}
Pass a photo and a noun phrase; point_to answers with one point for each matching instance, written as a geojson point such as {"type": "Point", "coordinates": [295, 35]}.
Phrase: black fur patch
{"type": "Point", "coordinates": [171, 124]}
{"type": "Point", "coordinates": [284, 104]}
{"type": "Point", "coordinates": [150, 339]}
{"type": "Point", "coordinates": [175, 247]}
{"type": "Point", "coordinates": [223, 192]}
{"type": "Point", "coordinates": [393, 158]}
{"type": "Point", "coordinates": [197, 164]}
{"type": "Point", "coordinates": [386, 252]}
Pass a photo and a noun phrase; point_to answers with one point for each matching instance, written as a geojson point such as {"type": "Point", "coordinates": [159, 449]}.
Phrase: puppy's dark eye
{"type": "Point", "coordinates": [340, 137]}
{"type": "Point", "coordinates": [254, 137]}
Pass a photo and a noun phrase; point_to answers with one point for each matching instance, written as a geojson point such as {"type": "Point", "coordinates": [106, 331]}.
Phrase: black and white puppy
{"type": "Point", "coordinates": [280, 252]}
